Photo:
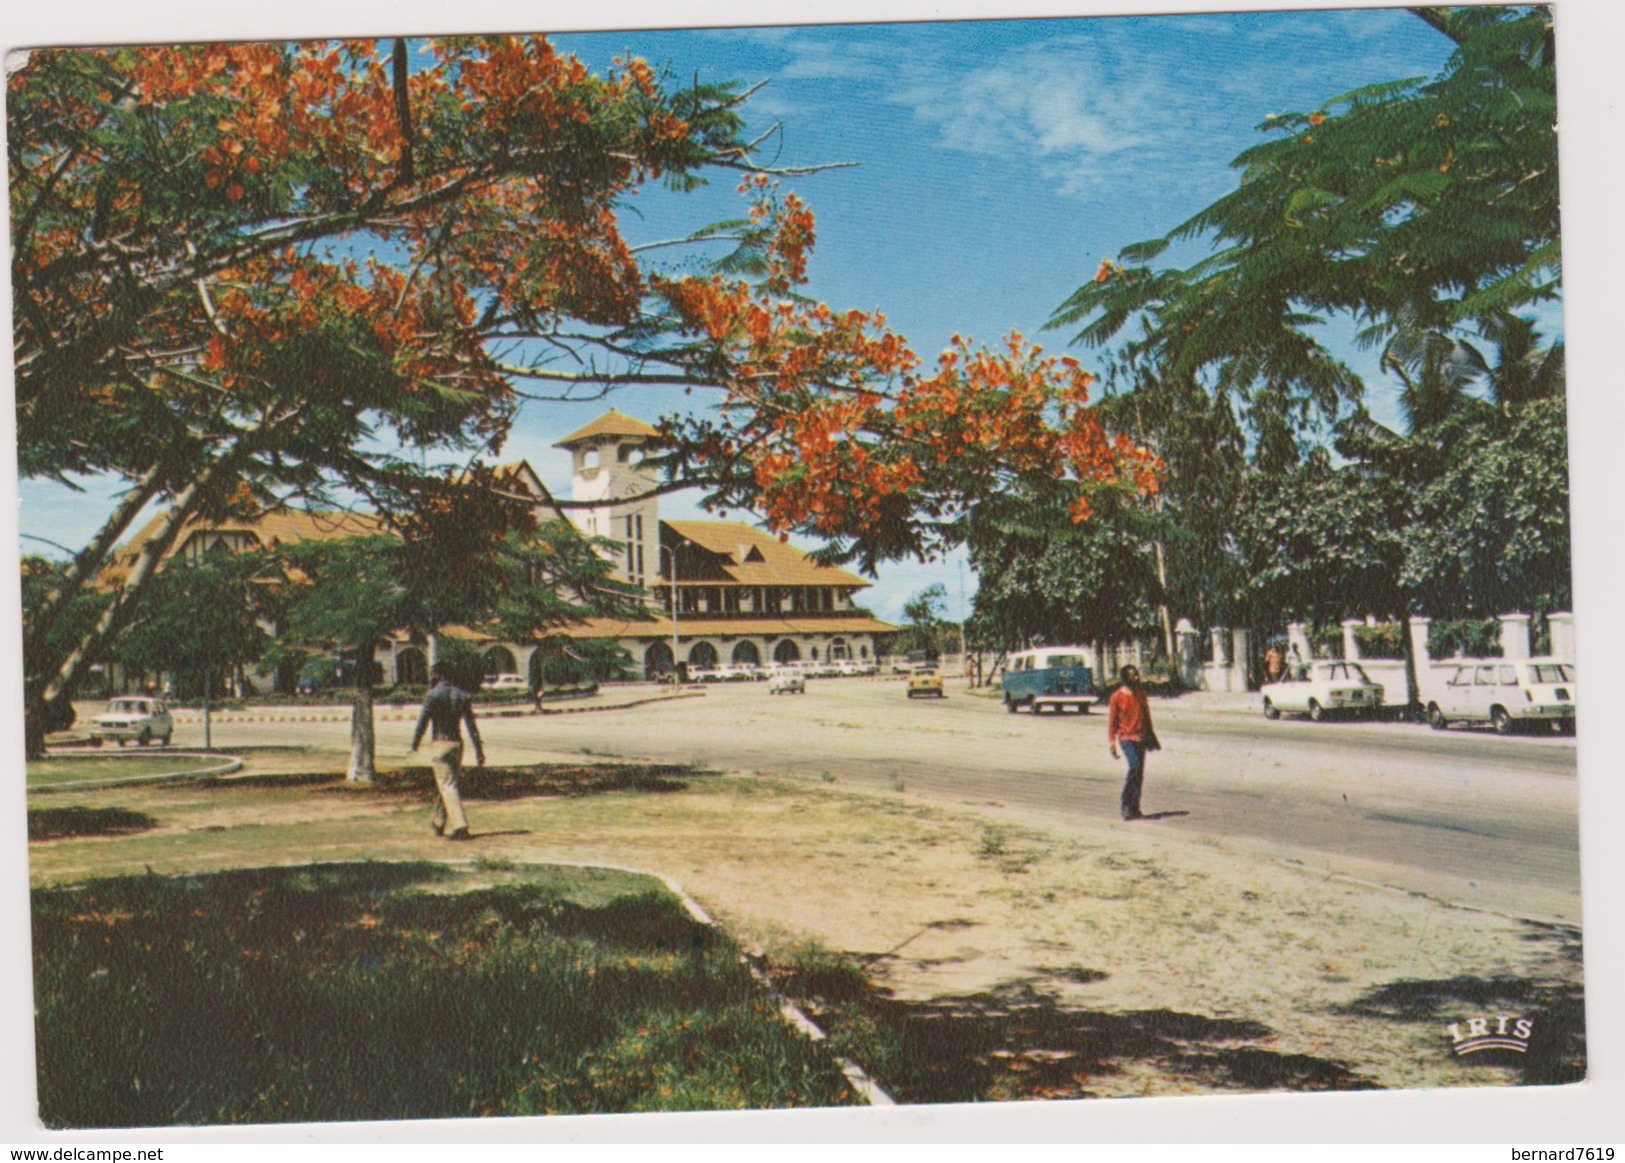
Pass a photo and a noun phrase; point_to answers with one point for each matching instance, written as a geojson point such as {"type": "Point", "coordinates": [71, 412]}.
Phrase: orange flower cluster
{"type": "Point", "coordinates": [839, 429]}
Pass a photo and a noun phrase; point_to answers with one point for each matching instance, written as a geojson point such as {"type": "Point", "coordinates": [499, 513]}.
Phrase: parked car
{"type": "Point", "coordinates": [706, 674]}
{"type": "Point", "coordinates": [506, 682]}
{"type": "Point", "coordinates": [925, 681]}
{"type": "Point", "coordinates": [787, 682]}
{"type": "Point", "coordinates": [1321, 689]}
{"type": "Point", "coordinates": [1049, 676]}
{"type": "Point", "coordinates": [1507, 695]}
{"type": "Point", "coordinates": [140, 719]}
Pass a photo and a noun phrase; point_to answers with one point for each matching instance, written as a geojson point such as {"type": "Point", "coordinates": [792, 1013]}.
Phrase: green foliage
{"type": "Point", "coordinates": [1385, 640]}
{"type": "Point", "coordinates": [202, 619]}
{"type": "Point", "coordinates": [1320, 543]}
{"type": "Point", "coordinates": [1421, 204]}
{"type": "Point", "coordinates": [1465, 638]}
{"type": "Point", "coordinates": [1425, 211]}
{"type": "Point", "coordinates": [347, 592]}
{"type": "Point", "coordinates": [464, 662]}
{"type": "Point", "coordinates": [566, 661]}
{"type": "Point", "coordinates": [925, 631]}
{"type": "Point", "coordinates": [1325, 639]}
{"type": "Point", "coordinates": [1048, 579]}
{"type": "Point", "coordinates": [1492, 532]}
{"type": "Point", "coordinates": [57, 823]}
{"type": "Point", "coordinates": [1200, 441]}
{"type": "Point", "coordinates": [555, 577]}
{"type": "Point", "coordinates": [68, 626]}
{"type": "Point", "coordinates": [341, 993]}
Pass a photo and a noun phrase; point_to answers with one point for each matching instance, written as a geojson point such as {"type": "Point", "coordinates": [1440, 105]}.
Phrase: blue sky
{"type": "Point", "coordinates": [996, 164]}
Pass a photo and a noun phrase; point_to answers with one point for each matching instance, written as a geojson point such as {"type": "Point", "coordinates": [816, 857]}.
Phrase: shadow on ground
{"type": "Point", "coordinates": [512, 783]}
{"type": "Point", "coordinates": [1021, 1042]}
{"type": "Point", "coordinates": [1555, 1009]}
{"type": "Point", "coordinates": [61, 823]}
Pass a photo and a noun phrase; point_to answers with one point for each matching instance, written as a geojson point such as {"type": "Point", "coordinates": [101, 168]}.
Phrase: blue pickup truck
{"type": "Point", "coordinates": [1049, 676]}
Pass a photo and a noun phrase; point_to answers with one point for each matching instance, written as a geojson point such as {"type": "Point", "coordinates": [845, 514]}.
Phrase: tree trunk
{"type": "Point", "coordinates": [1162, 607]}
{"type": "Point", "coordinates": [1413, 688]}
{"type": "Point", "coordinates": [34, 713]}
{"type": "Point", "coordinates": [85, 565]}
{"type": "Point", "coordinates": [363, 742]}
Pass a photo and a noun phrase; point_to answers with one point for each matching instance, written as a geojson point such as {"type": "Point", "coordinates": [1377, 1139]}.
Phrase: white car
{"type": "Point", "coordinates": [1507, 694]}
{"type": "Point", "coordinates": [786, 682]}
{"type": "Point", "coordinates": [506, 682]}
{"type": "Point", "coordinates": [1325, 688]}
{"type": "Point", "coordinates": [140, 719]}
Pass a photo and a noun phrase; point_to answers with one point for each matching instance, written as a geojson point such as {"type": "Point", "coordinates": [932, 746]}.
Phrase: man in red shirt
{"type": "Point", "coordinates": [1128, 721]}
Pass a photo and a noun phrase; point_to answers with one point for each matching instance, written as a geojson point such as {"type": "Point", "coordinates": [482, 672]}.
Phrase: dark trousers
{"type": "Point", "coordinates": [1134, 752]}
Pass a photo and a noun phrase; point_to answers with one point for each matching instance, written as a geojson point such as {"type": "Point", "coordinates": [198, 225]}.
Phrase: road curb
{"type": "Point", "coordinates": [793, 1015]}
{"type": "Point", "coordinates": [697, 694]}
{"type": "Point", "coordinates": [231, 764]}
{"type": "Point", "coordinates": [491, 712]}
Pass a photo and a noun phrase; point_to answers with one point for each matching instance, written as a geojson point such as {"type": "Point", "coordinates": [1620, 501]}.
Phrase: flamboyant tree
{"type": "Point", "coordinates": [241, 269]}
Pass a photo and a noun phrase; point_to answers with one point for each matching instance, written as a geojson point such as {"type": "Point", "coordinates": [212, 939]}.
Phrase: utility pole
{"type": "Point", "coordinates": [671, 556]}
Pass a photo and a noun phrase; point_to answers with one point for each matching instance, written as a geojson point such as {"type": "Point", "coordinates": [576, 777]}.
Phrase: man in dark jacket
{"type": "Point", "coordinates": [445, 709]}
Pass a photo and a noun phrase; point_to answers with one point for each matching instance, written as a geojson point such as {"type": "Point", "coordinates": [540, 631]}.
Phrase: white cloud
{"type": "Point", "coordinates": [1084, 111]}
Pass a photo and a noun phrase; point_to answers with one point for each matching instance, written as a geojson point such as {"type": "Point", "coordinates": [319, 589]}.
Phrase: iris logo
{"type": "Point", "coordinates": [1501, 1032]}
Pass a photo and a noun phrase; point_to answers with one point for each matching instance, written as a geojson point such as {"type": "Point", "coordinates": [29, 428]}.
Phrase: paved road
{"type": "Point", "coordinates": [1468, 816]}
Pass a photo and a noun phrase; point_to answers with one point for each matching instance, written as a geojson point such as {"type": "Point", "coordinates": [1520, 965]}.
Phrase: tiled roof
{"type": "Point", "coordinates": [780, 564]}
{"type": "Point", "coordinates": [763, 627]}
{"type": "Point", "coordinates": [283, 527]}
{"type": "Point", "coordinates": [611, 423]}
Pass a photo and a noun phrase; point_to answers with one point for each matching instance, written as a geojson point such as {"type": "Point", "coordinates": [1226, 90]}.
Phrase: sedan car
{"type": "Point", "coordinates": [786, 682]}
{"type": "Point", "coordinates": [925, 682]}
{"type": "Point", "coordinates": [1507, 695]}
{"type": "Point", "coordinates": [507, 682]}
{"type": "Point", "coordinates": [1324, 688]}
{"type": "Point", "coordinates": [140, 719]}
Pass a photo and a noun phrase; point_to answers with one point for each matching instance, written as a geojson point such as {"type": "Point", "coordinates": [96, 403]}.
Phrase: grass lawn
{"type": "Point", "coordinates": [398, 990]}
{"type": "Point", "coordinates": [76, 768]}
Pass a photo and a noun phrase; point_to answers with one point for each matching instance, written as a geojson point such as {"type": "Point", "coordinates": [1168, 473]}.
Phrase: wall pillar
{"type": "Point", "coordinates": [1297, 635]}
{"type": "Point", "coordinates": [1419, 640]}
{"type": "Point", "coordinates": [1562, 625]}
{"type": "Point", "coordinates": [1187, 662]}
{"type": "Point", "coordinates": [1240, 657]}
{"type": "Point", "coordinates": [1515, 636]}
{"type": "Point", "coordinates": [1351, 644]}
{"type": "Point", "coordinates": [1219, 656]}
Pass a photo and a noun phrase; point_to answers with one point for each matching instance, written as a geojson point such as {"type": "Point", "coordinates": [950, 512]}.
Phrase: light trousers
{"type": "Point", "coordinates": [446, 758]}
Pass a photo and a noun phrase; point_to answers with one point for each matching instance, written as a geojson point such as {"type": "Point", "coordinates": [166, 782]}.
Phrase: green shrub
{"type": "Point", "coordinates": [1386, 640]}
{"type": "Point", "coordinates": [1476, 638]}
{"type": "Point", "coordinates": [1325, 641]}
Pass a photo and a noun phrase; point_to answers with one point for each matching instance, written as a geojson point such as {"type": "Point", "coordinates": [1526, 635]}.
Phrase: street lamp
{"type": "Point", "coordinates": [671, 555]}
